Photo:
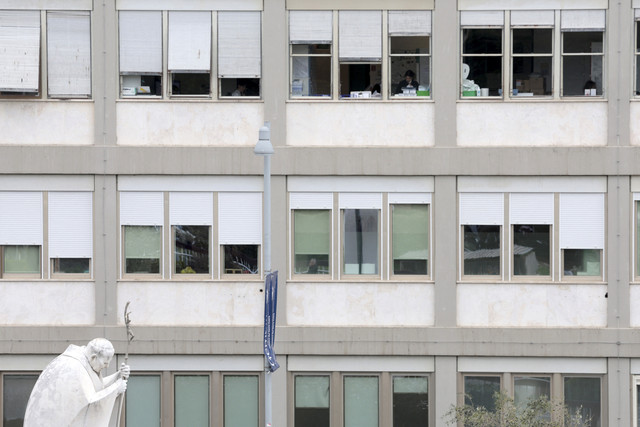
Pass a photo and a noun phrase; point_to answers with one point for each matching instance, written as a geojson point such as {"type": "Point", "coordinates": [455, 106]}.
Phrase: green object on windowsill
{"type": "Point", "coordinates": [469, 93]}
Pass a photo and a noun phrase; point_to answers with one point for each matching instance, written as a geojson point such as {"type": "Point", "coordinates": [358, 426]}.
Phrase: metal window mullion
{"type": "Point", "coordinates": [556, 67]}
{"type": "Point", "coordinates": [43, 86]}
{"type": "Point", "coordinates": [335, 60]}
{"type": "Point", "coordinates": [165, 84]}
{"type": "Point", "coordinates": [507, 63]}
{"type": "Point", "coordinates": [385, 72]}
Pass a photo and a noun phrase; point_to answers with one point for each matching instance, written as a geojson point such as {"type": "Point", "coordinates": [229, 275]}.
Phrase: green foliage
{"type": "Point", "coordinates": [540, 412]}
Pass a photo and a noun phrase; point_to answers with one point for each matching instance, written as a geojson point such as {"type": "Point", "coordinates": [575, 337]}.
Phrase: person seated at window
{"type": "Point", "coordinates": [408, 82]}
{"type": "Point", "coordinates": [241, 89]}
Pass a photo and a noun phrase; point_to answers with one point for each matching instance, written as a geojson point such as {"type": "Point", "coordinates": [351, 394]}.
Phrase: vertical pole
{"type": "Point", "coordinates": [267, 270]}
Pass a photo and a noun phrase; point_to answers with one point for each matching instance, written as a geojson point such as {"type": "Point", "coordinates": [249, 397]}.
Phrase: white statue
{"type": "Point", "coordinates": [71, 391]}
{"type": "Point", "coordinates": [468, 85]}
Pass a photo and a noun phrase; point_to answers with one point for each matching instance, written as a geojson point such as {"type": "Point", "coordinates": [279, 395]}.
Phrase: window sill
{"type": "Point", "coordinates": [531, 99]}
{"type": "Point", "coordinates": [518, 283]}
{"type": "Point", "coordinates": [185, 99]}
{"type": "Point", "coordinates": [30, 99]}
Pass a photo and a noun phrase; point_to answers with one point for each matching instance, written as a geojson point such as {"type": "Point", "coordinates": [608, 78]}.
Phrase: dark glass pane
{"type": "Point", "coordinates": [532, 40]}
{"type": "Point", "coordinates": [531, 249]}
{"type": "Point", "coordinates": [480, 391]}
{"type": "Point", "coordinates": [580, 73]}
{"type": "Point", "coordinates": [486, 72]}
{"type": "Point", "coordinates": [241, 259]}
{"type": "Point", "coordinates": [191, 249]}
{"type": "Point", "coordinates": [359, 77]}
{"type": "Point", "coordinates": [191, 84]}
{"type": "Point", "coordinates": [16, 392]}
{"type": "Point", "coordinates": [409, 44]}
{"type": "Point", "coordinates": [532, 74]}
{"type": "Point", "coordinates": [72, 265]}
{"type": "Point", "coordinates": [311, 401]}
{"type": "Point", "coordinates": [582, 397]}
{"type": "Point", "coordinates": [482, 250]}
{"type": "Point", "coordinates": [239, 87]}
{"type": "Point", "coordinates": [582, 42]}
{"type": "Point", "coordinates": [410, 402]}
{"type": "Point", "coordinates": [361, 241]}
{"type": "Point", "coordinates": [637, 74]}
{"type": "Point", "coordinates": [311, 49]}
{"type": "Point", "coordinates": [482, 40]}
{"type": "Point", "coordinates": [582, 262]}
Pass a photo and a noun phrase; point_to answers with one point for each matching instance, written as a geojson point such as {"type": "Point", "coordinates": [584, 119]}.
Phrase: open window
{"type": "Point", "coordinates": [189, 53]}
{"type": "Point", "coordinates": [482, 53]}
{"type": "Point", "coordinates": [310, 44]}
{"type": "Point", "coordinates": [582, 52]}
{"type": "Point", "coordinates": [532, 52]}
{"type": "Point", "coordinates": [239, 53]}
{"type": "Point", "coordinates": [410, 53]}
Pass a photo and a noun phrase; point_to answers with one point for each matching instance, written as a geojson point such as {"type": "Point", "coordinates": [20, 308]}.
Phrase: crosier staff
{"type": "Point", "coordinates": [130, 336]}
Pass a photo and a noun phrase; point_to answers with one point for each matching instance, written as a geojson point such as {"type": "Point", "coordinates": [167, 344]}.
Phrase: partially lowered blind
{"type": "Point", "coordinates": [70, 225]}
{"type": "Point", "coordinates": [582, 20]}
{"type": "Point", "coordinates": [360, 35]}
{"type": "Point", "coordinates": [69, 53]}
{"type": "Point", "coordinates": [410, 22]}
{"type": "Point", "coordinates": [19, 50]}
{"type": "Point", "coordinates": [582, 221]}
{"type": "Point", "coordinates": [310, 27]}
{"type": "Point", "coordinates": [481, 18]}
{"type": "Point", "coordinates": [191, 208]}
{"type": "Point", "coordinates": [524, 18]}
{"type": "Point", "coordinates": [141, 208]}
{"type": "Point", "coordinates": [239, 45]}
{"type": "Point", "coordinates": [20, 218]}
{"type": "Point", "coordinates": [481, 208]}
{"type": "Point", "coordinates": [240, 218]}
{"type": "Point", "coordinates": [140, 42]}
{"type": "Point", "coordinates": [189, 41]}
{"type": "Point", "coordinates": [531, 208]}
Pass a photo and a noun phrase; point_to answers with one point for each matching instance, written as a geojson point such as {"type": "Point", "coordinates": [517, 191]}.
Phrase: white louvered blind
{"type": "Point", "coordinates": [360, 35]}
{"type": "Point", "coordinates": [70, 224]}
{"type": "Point", "coordinates": [481, 208]}
{"type": "Point", "coordinates": [582, 20]}
{"type": "Point", "coordinates": [582, 221]}
{"type": "Point", "coordinates": [140, 42]}
{"type": "Point", "coordinates": [239, 45]}
{"type": "Point", "coordinates": [409, 198]}
{"type": "Point", "coordinates": [141, 208]}
{"type": "Point", "coordinates": [69, 53]}
{"type": "Point", "coordinates": [310, 27]}
{"type": "Point", "coordinates": [186, 208]}
{"type": "Point", "coordinates": [410, 22]}
{"type": "Point", "coordinates": [19, 50]}
{"type": "Point", "coordinates": [531, 208]}
{"type": "Point", "coordinates": [189, 41]}
{"type": "Point", "coordinates": [240, 218]}
{"type": "Point", "coordinates": [524, 18]}
{"type": "Point", "coordinates": [311, 201]}
{"type": "Point", "coordinates": [21, 218]}
{"type": "Point", "coordinates": [360, 200]}
{"type": "Point", "coordinates": [481, 18]}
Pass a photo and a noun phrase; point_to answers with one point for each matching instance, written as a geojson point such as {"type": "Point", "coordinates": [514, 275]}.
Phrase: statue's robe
{"type": "Point", "coordinates": [70, 393]}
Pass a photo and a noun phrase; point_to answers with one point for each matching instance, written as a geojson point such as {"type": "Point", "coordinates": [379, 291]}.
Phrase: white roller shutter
{"type": "Point", "coordinates": [531, 208]}
{"type": "Point", "coordinates": [410, 22]}
{"type": "Point", "coordinates": [189, 41]}
{"type": "Point", "coordinates": [310, 27]}
{"type": "Point", "coordinates": [140, 42]}
{"type": "Point", "coordinates": [637, 14]}
{"type": "Point", "coordinates": [481, 208]}
{"type": "Point", "coordinates": [21, 218]}
{"type": "Point", "coordinates": [528, 18]}
{"type": "Point", "coordinates": [239, 45]}
{"type": "Point", "coordinates": [360, 200]}
{"type": "Point", "coordinates": [70, 225]}
{"type": "Point", "coordinates": [240, 218]}
{"type": "Point", "coordinates": [360, 35]}
{"type": "Point", "coordinates": [482, 18]}
{"type": "Point", "coordinates": [186, 208]}
{"type": "Point", "coordinates": [409, 198]}
{"type": "Point", "coordinates": [69, 53]}
{"type": "Point", "coordinates": [582, 20]}
{"type": "Point", "coordinates": [141, 208]}
{"type": "Point", "coordinates": [581, 221]}
{"type": "Point", "coordinates": [19, 50]}
{"type": "Point", "coordinates": [311, 201]}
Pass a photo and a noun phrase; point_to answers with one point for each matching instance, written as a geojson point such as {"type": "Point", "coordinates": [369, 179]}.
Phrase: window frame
{"type": "Point", "coordinates": [4, 374]}
{"type": "Point", "coordinates": [260, 394]}
{"type": "Point", "coordinates": [636, 53]}
{"type": "Point", "coordinates": [391, 268]}
{"type": "Point", "coordinates": [564, 55]}
{"type": "Point", "coordinates": [210, 389]}
{"type": "Point", "coordinates": [237, 276]}
{"type": "Point", "coordinates": [500, 55]}
{"type": "Point", "coordinates": [342, 231]}
{"type": "Point", "coordinates": [189, 276]}
{"type": "Point", "coordinates": [307, 276]}
{"type": "Point", "coordinates": [514, 55]}
{"type": "Point", "coordinates": [141, 276]}
{"type": "Point", "coordinates": [531, 277]}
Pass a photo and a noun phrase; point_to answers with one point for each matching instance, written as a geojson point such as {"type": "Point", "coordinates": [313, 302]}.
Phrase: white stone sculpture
{"type": "Point", "coordinates": [72, 392]}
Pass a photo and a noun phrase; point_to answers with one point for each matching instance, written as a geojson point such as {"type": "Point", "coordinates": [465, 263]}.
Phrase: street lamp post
{"type": "Point", "coordinates": [265, 148]}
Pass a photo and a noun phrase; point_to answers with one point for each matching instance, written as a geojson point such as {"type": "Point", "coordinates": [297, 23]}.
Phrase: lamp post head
{"type": "Point", "coordinates": [264, 147]}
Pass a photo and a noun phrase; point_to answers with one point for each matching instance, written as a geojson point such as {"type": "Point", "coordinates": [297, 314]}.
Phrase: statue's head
{"type": "Point", "coordinates": [99, 351]}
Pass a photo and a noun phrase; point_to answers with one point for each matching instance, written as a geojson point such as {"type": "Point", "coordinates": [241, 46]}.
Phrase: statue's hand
{"type": "Point", "coordinates": [122, 386]}
{"type": "Point", "coordinates": [125, 371]}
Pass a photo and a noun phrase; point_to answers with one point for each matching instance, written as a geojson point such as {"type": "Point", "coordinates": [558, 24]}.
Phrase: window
{"type": "Point", "coordinates": [533, 251]}
{"type": "Point", "coordinates": [582, 52]}
{"type": "Point", "coordinates": [21, 234]}
{"type": "Point", "coordinates": [188, 41]}
{"type": "Point", "coordinates": [310, 38]}
{"type": "Point", "coordinates": [241, 400]}
{"type": "Point", "coordinates": [143, 399]}
{"type": "Point", "coordinates": [480, 390]}
{"type": "Point", "coordinates": [191, 218]}
{"type": "Point", "coordinates": [532, 52]}
{"type": "Point", "coordinates": [482, 48]}
{"type": "Point", "coordinates": [361, 401]}
{"type": "Point", "coordinates": [637, 51]}
{"type": "Point", "coordinates": [16, 389]}
{"type": "Point", "coordinates": [582, 395]}
{"type": "Point", "coordinates": [410, 237]}
{"type": "Point", "coordinates": [312, 241]}
{"type": "Point", "coordinates": [141, 218]}
{"type": "Point", "coordinates": [67, 54]}
{"type": "Point", "coordinates": [361, 241]}
{"type": "Point", "coordinates": [410, 53]}
{"type": "Point", "coordinates": [311, 401]}
{"type": "Point", "coordinates": [410, 401]}
{"type": "Point", "coordinates": [191, 400]}
{"type": "Point", "coordinates": [240, 232]}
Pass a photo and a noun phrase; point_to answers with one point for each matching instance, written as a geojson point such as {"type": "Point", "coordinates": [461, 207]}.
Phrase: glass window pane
{"type": "Point", "coordinates": [482, 250]}
{"type": "Point", "coordinates": [481, 40]}
{"type": "Point", "coordinates": [191, 249]}
{"type": "Point", "coordinates": [71, 265]}
{"type": "Point", "coordinates": [531, 249]}
{"type": "Point", "coordinates": [240, 401]}
{"type": "Point", "coordinates": [311, 49]}
{"type": "Point", "coordinates": [532, 74]}
{"type": "Point", "coordinates": [143, 401]}
{"type": "Point", "coordinates": [311, 401]}
{"type": "Point", "coordinates": [359, 77]}
{"type": "Point", "coordinates": [409, 44]}
{"type": "Point", "coordinates": [311, 75]}
{"type": "Point", "coordinates": [582, 42]}
{"type": "Point", "coordinates": [582, 262]}
{"type": "Point", "coordinates": [21, 259]}
{"type": "Point", "coordinates": [190, 83]}
{"type": "Point", "coordinates": [410, 402]}
{"type": "Point", "coordinates": [241, 259]}
{"type": "Point", "coordinates": [580, 73]}
{"type": "Point", "coordinates": [532, 40]}
{"type": "Point", "coordinates": [191, 400]}
{"type": "Point", "coordinates": [361, 245]}
{"type": "Point", "coordinates": [16, 392]}
{"type": "Point", "coordinates": [410, 237]}
{"type": "Point", "coordinates": [239, 87]}
{"type": "Point", "coordinates": [582, 397]}
{"type": "Point", "coordinates": [142, 248]}
{"type": "Point", "coordinates": [360, 401]}
{"type": "Point", "coordinates": [530, 388]}
{"type": "Point", "coordinates": [486, 72]}
{"type": "Point", "coordinates": [480, 391]}
{"type": "Point", "coordinates": [637, 74]}
{"type": "Point", "coordinates": [312, 241]}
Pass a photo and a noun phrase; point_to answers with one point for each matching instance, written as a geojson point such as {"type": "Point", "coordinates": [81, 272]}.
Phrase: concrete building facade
{"type": "Point", "coordinates": [430, 243]}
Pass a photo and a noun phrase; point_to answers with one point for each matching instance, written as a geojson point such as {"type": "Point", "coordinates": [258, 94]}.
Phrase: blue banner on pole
{"type": "Point", "coordinates": [270, 308]}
